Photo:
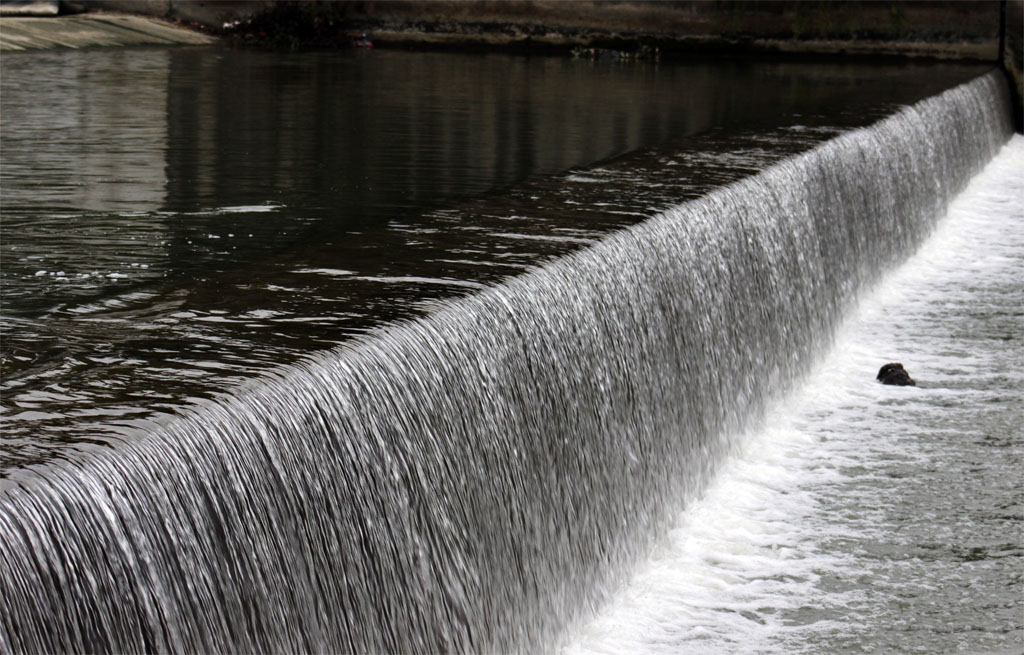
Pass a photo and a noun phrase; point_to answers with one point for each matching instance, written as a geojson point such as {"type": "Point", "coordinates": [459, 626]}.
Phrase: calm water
{"type": "Point", "coordinates": [176, 220]}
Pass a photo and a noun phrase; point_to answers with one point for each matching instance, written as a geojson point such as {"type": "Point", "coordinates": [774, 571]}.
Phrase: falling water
{"type": "Point", "coordinates": [480, 478]}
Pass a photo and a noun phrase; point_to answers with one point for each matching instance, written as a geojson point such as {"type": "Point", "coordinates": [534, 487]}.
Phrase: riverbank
{"type": "Point", "coordinates": [93, 30]}
{"type": "Point", "coordinates": [939, 30]}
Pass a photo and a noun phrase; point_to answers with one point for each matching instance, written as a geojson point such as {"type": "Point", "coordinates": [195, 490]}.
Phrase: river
{"type": "Point", "coordinates": [401, 352]}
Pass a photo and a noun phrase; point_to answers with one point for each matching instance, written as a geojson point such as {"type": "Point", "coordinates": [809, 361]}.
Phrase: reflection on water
{"type": "Point", "coordinates": [174, 220]}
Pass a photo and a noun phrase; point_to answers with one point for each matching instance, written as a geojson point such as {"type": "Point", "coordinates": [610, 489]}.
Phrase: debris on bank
{"type": "Point", "coordinates": [644, 52]}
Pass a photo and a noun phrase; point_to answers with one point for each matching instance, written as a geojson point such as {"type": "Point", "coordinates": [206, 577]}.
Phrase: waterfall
{"type": "Point", "coordinates": [477, 479]}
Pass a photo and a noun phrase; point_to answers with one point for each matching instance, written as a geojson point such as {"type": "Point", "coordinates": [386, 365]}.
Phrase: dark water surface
{"type": "Point", "coordinates": [174, 221]}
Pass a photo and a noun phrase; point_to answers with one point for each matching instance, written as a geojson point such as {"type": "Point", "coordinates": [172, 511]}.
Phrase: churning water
{"type": "Point", "coordinates": [479, 478]}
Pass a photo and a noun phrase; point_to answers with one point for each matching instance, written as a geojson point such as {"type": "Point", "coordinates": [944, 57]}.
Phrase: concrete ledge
{"type": "Point", "coordinates": [93, 30]}
{"type": "Point", "coordinates": [29, 7]}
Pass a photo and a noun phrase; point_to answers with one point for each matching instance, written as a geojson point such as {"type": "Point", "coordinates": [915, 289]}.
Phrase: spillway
{"type": "Point", "coordinates": [480, 478]}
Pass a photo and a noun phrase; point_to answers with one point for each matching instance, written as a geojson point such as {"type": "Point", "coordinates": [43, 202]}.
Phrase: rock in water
{"type": "Point", "coordinates": [894, 373]}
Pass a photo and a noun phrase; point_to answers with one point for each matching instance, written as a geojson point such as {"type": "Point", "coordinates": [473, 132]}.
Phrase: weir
{"type": "Point", "coordinates": [478, 479]}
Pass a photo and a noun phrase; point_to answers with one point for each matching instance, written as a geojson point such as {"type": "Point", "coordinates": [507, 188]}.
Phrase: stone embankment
{"type": "Point", "coordinates": [33, 30]}
{"type": "Point", "coordinates": [938, 29]}
{"type": "Point", "coordinates": [933, 29]}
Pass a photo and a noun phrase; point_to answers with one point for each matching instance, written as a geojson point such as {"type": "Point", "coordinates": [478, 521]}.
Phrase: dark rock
{"type": "Point", "coordinates": [894, 373]}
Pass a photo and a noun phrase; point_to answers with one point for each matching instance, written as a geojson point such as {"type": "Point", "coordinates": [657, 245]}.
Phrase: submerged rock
{"type": "Point", "coordinates": [894, 373]}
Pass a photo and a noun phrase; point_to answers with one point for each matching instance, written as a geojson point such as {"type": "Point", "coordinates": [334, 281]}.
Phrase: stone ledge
{"type": "Point", "coordinates": [93, 30]}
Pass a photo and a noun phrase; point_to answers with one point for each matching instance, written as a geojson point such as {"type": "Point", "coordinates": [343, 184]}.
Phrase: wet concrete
{"type": "Point", "coordinates": [91, 30]}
